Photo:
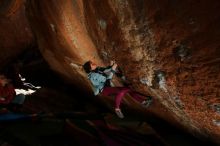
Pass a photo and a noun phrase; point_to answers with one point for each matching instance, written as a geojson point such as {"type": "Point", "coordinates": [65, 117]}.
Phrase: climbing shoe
{"type": "Point", "coordinates": [119, 113]}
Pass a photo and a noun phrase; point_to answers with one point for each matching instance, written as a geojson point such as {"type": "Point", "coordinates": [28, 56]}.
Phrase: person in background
{"type": "Point", "coordinates": [100, 78]}
{"type": "Point", "coordinates": [8, 97]}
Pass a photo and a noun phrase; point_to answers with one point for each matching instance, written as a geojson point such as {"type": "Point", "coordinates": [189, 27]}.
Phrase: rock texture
{"type": "Point", "coordinates": [169, 49]}
{"type": "Point", "coordinates": [15, 32]}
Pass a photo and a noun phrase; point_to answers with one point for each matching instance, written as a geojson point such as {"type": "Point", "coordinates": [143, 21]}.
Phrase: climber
{"type": "Point", "coordinates": [8, 97]}
{"type": "Point", "coordinates": [100, 78]}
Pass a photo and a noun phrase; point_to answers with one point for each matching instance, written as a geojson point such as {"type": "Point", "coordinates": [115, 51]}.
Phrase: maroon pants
{"type": "Point", "coordinates": [119, 93]}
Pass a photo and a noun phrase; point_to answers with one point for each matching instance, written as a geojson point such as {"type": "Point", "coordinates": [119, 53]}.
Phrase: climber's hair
{"type": "Point", "coordinates": [87, 67]}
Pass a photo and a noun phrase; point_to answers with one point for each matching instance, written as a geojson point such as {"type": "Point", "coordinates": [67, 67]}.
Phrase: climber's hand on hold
{"type": "Point", "coordinates": [112, 62]}
{"type": "Point", "coordinates": [114, 66]}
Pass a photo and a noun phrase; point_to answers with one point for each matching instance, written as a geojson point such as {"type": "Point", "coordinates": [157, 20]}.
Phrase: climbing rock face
{"type": "Point", "coordinates": [168, 48]}
{"type": "Point", "coordinates": [61, 35]}
{"type": "Point", "coordinates": [15, 32]}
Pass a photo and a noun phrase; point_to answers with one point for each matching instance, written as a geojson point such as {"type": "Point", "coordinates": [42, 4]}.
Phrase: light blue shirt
{"type": "Point", "coordinates": [98, 80]}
